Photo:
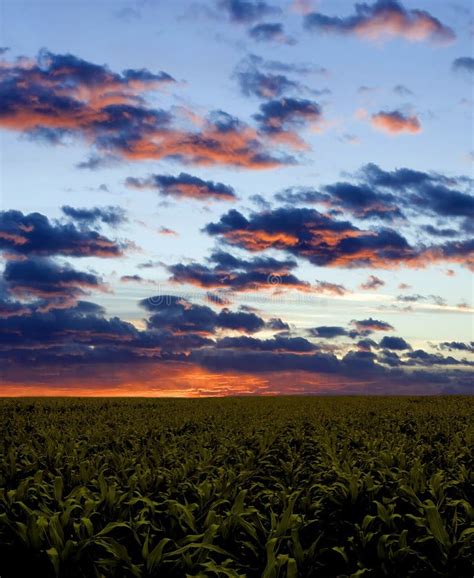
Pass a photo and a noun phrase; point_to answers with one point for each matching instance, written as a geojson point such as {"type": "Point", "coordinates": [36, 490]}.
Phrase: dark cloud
{"type": "Point", "coordinates": [35, 234]}
{"type": "Point", "coordinates": [435, 194]}
{"type": "Point", "coordinates": [464, 64]}
{"type": "Point", "coordinates": [278, 343]}
{"type": "Point", "coordinates": [362, 201]}
{"type": "Point", "coordinates": [277, 324]}
{"type": "Point", "coordinates": [184, 186]}
{"type": "Point", "coordinates": [217, 299]}
{"type": "Point", "coordinates": [384, 19]}
{"type": "Point", "coordinates": [329, 331]}
{"type": "Point", "coordinates": [393, 196]}
{"type": "Point", "coordinates": [270, 32]}
{"type": "Point", "coordinates": [366, 344]}
{"type": "Point", "coordinates": [247, 11]}
{"type": "Point", "coordinates": [361, 328]}
{"type": "Point", "coordinates": [137, 279]}
{"type": "Point", "coordinates": [239, 321]}
{"type": "Point", "coordinates": [330, 288]}
{"type": "Point", "coordinates": [254, 80]}
{"type": "Point", "coordinates": [394, 343]}
{"type": "Point", "coordinates": [278, 118]}
{"type": "Point", "coordinates": [372, 283]}
{"type": "Point", "coordinates": [112, 216]}
{"type": "Point", "coordinates": [228, 272]}
{"type": "Point", "coordinates": [247, 360]}
{"type": "Point", "coordinates": [457, 346]}
{"type": "Point", "coordinates": [440, 232]}
{"type": "Point", "coordinates": [44, 280]}
{"type": "Point", "coordinates": [368, 326]}
{"type": "Point", "coordinates": [178, 315]}
{"type": "Point", "coordinates": [421, 357]}
{"type": "Point", "coordinates": [299, 195]}
{"type": "Point", "coordinates": [81, 335]}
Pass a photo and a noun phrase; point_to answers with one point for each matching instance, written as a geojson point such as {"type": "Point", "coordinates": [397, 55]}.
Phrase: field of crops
{"type": "Point", "coordinates": [256, 487]}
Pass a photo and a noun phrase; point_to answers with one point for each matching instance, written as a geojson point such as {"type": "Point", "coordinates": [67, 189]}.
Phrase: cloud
{"type": "Point", "coordinates": [402, 90]}
{"type": "Point", "coordinates": [45, 280]}
{"type": "Point", "coordinates": [362, 201]}
{"type": "Point", "coordinates": [57, 94]}
{"type": "Point", "coordinates": [383, 20]}
{"type": "Point", "coordinates": [298, 68]}
{"type": "Point", "coordinates": [361, 328]}
{"type": "Point", "coordinates": [136, 279]}
{"type": "Point", "coordinates": [270, 32]}
{"type": "Point", "coordinates": [276, 344]}
{"type": "Point", "coordinates": [184, 186]}
{"type": "Point", "coordinates": [264, 85]}
{"type": "Point", "coordinates": [112, 216]}
{"type": "Point", "coordinates": [178, 316]}
{"type": "Point", "coordinates": [330, 288]}
{"type": "Point", "coordinates": [225, 271]}
{"type": "Point", "coordinates": [464, 64]}
{"type": "Point", "coordinates": [432, 193]}
{"type": "Point", "coordinates": [367, 326]}
{"type": "Point", "coordinates": [96, 162]}
{"type": "Point", "coordinates": [372, 283]}
{"type": "Point", "coordinates": [402, 195]}
{"type": "Point", "coordinates": [415, 298]}
{"type": "Point", "coordinates": [421, 357]}
{"type": "Point", "coordinates": [279, 120]}
{"type": "Point", "coordinates": [277, 324]}
{"type": "Point", "coordinates": [438, 232]}
{"type": "Point", "coordinates": [69, 347]}
{"type": "Point", "coordinates": [35, 234]}
{"type": "Point", "coordinates": [394, 343]}
{"type": "Point", "coordinates": [168, 232]}
{"type": "Point", "coordinates": [457, 346]}
{"type": "Point", "coordinates": [395, 122]}
{"type": "Point", "coordinates": [65, 92]}
{"type": "Point", "coordinates": [329, 331]}
{"type": "Point", "coordinates": [247, 11]}
{"type": "Point", "coordinates": [267, 79]}
{"type": "Point", "coordinates": [217, 299]}
{"type": "Point", "coordinates": [325, 241]}
{"type": "Point", "coordinates": [277, 116]}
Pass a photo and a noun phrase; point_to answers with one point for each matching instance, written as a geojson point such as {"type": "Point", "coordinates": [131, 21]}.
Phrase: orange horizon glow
{"type": "Point", "coordinates": [175, 379]}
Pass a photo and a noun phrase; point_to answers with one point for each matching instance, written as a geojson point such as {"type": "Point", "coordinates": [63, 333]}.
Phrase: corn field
{"type": "Point", "coordinates": [237, 487]}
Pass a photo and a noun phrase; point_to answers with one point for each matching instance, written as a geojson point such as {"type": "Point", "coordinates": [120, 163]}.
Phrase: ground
{"type": "Point", "coordinates": [255, 487]}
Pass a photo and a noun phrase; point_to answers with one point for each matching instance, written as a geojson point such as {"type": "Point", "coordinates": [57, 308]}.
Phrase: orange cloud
{"type": "Point", "coordinates": [61, 94]}
{"type": "Point", "coordinates": [395, 123]}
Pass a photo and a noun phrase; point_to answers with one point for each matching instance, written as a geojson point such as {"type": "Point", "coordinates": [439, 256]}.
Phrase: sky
{"type": "Point", "coordinates": [233, 197]}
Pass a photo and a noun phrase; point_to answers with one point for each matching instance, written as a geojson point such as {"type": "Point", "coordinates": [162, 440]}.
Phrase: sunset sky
{"type": "Point", "coordinates": [227, 197]}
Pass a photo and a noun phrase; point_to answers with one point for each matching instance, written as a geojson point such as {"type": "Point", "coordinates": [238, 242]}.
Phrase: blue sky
{"type": "Point", "coordinates": [376, 86]}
